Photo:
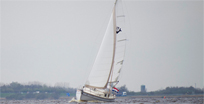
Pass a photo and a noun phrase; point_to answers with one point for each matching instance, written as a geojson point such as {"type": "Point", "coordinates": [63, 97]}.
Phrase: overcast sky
{"type": "Point", "coordinates": [57, 41]}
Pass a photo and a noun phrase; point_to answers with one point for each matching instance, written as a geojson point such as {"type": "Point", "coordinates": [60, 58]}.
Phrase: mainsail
{"type": "Point", "coordinates": [109, 60]}
{"type": "Point", "coordinates": [120, 42]}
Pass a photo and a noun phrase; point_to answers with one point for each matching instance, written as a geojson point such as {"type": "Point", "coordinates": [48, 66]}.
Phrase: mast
{"type": "Point", "coordinates": [114, 33]}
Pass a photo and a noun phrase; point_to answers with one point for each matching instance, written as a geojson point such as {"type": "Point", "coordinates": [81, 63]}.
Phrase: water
{"type": "Point", "coordinates": [119, 100]}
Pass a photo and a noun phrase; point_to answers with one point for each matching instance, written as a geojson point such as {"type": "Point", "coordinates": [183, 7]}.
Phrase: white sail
{"type": "Point", "coordinates": [109, 60]}
{"type": "Point", "coordinates": [100, 72]}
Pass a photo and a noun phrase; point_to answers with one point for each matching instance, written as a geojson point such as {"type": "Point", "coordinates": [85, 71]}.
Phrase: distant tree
{"type": "Point", "coordinates": [179, 90]}
{"type": "Point", "coordinates": [123, 88]}
{"type": "Point", "coordinates": [16, 86]}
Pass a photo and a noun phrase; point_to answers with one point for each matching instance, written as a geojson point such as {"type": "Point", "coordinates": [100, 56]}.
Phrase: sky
{"type": "Point", "coordinates": [57, 41]}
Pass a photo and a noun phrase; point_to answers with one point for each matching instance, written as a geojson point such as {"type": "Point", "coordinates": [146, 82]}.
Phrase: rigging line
{"type": "Point", "coordinates": [121, 40]}
{"type": "Point", "coordinates": [121, 16]}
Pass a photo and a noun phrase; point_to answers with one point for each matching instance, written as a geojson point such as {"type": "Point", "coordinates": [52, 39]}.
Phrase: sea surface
{"type": "Point", "coordinates": [119, 100]}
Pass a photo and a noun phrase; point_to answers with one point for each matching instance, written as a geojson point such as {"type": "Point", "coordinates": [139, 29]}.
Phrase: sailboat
{"type": "Point", "coordinates": [107, 66]}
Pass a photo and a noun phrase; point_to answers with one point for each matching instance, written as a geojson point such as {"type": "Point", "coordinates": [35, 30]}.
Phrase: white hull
{"type": "Point", "coordinates": [86, 96]}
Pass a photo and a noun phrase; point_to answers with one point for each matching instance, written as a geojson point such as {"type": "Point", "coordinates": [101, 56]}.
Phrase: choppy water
{"type": "Point", "coordinates": [120, 100]}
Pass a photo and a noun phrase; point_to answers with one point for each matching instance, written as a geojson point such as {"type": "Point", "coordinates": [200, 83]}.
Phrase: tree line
{"type": "Point", "coordinates": [18, 91]}
{"type": "Point", "coordinates": [167, 91]}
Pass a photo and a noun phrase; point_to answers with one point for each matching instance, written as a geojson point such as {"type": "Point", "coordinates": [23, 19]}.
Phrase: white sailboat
{"type": "Point", "coordinates": [108, 63]}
